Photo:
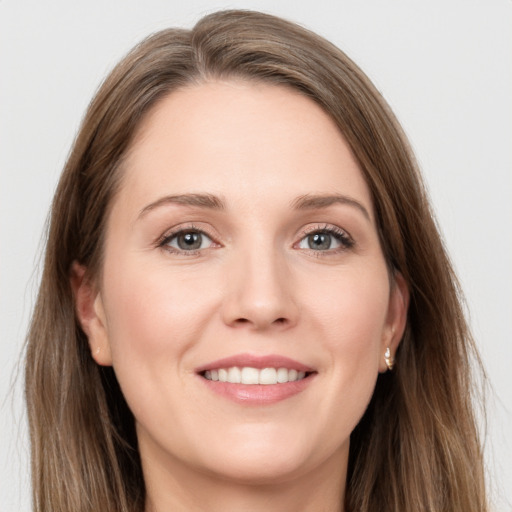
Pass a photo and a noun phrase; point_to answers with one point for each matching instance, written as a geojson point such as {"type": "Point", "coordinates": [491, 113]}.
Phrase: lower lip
{"type": "Point", "coordinates": [258, 394]}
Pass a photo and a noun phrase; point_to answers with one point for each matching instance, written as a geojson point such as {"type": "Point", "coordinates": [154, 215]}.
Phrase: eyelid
{"type": "Point", "coordinates": [324, 226]}
{"type": "Point", "coordinates": [342, 235]}
{"type": "Point", "coordinates": [163, 240]}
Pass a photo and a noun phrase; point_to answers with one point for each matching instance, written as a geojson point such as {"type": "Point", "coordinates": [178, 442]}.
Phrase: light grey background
{"type": "Point", "coordinates": [445, 66]}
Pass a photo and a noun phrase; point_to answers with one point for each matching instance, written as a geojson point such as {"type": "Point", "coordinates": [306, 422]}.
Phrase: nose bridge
{"type": "Point", "coordinates": [260, 288]}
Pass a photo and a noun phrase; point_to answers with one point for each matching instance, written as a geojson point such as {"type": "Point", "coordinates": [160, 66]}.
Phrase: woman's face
{"type": "Point", "coordinates": [242, 245]}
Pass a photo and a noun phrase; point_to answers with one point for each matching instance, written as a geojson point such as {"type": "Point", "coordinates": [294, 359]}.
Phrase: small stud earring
{"type": "Point", "coordinates": [97, 351]}
{"type": "Point", "coordinates": [390, 360]}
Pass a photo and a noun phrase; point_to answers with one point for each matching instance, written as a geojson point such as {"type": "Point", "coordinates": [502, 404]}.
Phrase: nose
{"type": "Point", "coordinates": [260, 293]}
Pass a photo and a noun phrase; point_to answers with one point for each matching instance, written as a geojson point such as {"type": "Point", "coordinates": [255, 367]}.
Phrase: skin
{"type": "Point", "coordinates": [255, 286]}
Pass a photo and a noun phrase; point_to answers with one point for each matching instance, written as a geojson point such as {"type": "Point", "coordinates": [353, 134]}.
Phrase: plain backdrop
{"type": "Point", "coordinates": [445, 66]}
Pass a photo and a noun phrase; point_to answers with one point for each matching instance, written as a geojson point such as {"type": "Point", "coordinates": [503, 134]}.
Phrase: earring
{"type": "Point", "coordinates": [390, 360]}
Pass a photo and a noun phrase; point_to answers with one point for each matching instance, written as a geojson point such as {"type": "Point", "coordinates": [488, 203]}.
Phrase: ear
{"type": "Point", "coordinates": [396, 319]}
{"type": "Point", "coordinates": [91, 314]}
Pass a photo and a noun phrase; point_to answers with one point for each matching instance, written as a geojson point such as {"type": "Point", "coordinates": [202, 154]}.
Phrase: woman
{"type": "Point", "coordinates": [246, 304]}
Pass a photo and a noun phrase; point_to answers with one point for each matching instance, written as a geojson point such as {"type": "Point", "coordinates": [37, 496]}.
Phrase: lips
{"type": "Point", "coordinates": [258, 380]}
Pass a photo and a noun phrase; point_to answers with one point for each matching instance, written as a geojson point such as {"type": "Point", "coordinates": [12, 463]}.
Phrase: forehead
{"type": "Point", "coordinates": [240, 140]}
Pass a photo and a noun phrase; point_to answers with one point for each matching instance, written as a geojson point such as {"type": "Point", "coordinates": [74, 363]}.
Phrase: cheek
{"type": "Point", "coordinates": [155, 315]}
{"type": "Point", "coordinates": [154, 308]}
{"type": "Point", "coordinates": [351, 320]}
{"type": "Point", "coordinates": [352, 309]}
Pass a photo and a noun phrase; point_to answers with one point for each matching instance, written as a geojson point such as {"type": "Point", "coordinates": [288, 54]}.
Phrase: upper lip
{"type": "Point", "coordinates": [255, 361]}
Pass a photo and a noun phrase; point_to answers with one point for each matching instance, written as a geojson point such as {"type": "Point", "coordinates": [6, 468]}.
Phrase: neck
{"type": "Point", "coordinates": [179, 488]}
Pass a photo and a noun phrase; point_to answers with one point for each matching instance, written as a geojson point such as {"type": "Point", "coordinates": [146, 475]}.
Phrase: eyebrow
{"type": "Point", "coordinates": [212, 202]}
{"type": "Point", "coordinates": [208, 201]}
{"type": "Point", "coordinates": [316, 201]}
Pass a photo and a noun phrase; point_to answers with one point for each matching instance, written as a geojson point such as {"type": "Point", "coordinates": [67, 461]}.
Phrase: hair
{"type": "Point", "coordinates": [417, 445]}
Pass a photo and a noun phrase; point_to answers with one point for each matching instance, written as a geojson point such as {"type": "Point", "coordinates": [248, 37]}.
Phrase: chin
{"type": "Point", "coordinates": [263, 459]}
{"type": "Point", "coordinates": [247, 470]}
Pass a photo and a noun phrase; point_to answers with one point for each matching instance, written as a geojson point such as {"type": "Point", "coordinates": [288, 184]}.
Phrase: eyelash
{"type": "Point", "coordinates": [164, 241]}
{"type": "Point", "coordinates": [341, 236]}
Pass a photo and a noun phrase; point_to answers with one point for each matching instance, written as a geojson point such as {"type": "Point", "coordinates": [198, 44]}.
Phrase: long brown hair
{"type": "Point", "coordinates": [416, 448]}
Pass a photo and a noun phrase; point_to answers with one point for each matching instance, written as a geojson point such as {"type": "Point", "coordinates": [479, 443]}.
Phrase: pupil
{"type": "Point", "coordinates": [319, 241]}
{"type": "Point", "coordinates": [189, 241]}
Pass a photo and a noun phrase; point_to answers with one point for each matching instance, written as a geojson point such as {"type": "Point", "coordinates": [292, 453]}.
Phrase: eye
{"type": "Point", "coordinates": [326, 239]}
{"type": "Point", "coordinates": [187, 241]}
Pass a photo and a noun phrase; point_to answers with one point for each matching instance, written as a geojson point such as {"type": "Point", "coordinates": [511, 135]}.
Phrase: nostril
{"type": "Point", "coordinates": [244, 321]}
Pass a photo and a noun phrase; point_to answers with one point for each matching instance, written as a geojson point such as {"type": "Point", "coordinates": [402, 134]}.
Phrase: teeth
{"type": "Point", "coordinates": [248, 375]}
{"type": "Point", "coordinates": [282, 375]}
{"type": "Point", "coordinates": [234, 375]}
{"type": "Point", "coordinates": [268, 376]}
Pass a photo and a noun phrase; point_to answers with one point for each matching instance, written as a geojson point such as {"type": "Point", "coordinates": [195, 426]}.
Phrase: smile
{"type": "Point", "coordinates": [249, 375]}
{"type": "Point", "coordinates": [256, 380]}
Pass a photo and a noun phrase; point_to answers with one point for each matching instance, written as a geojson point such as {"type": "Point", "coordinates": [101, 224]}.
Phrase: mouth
{"type": "Point", "coordinates": [250, 376]}
{"type": "Point", "coordinates": [256, 380]}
